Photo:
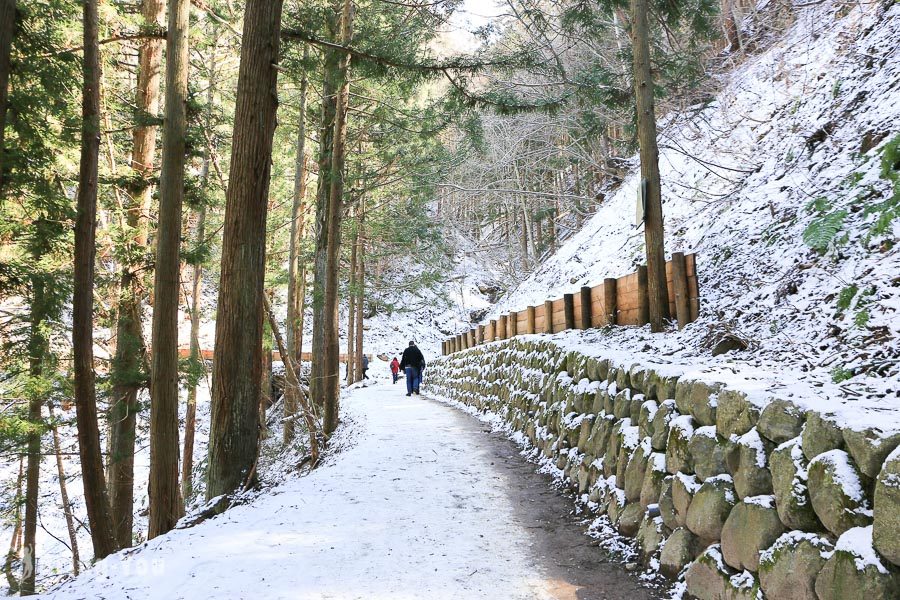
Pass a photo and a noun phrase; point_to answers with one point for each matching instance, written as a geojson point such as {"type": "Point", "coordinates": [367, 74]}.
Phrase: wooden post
{"type": "Point", "coordinates": [586, 320]}
{"type": "Point", "coordinates": [569, 310]}
{"type": "Point", "coordinates": [643, 316]}
{"type": "Point", "coordinates": [693, 286]}
{"type": "Point", "coordinates": [502, 334]}
{"type": "Point", "coordinates": [480, 334]}
{"type": "Point", "coordinates": [609, 300]}
{"type": "Point", "coordinates": [493, 329]}
{"type": "Point", "coordinates": [472, 338]}
{"type": "Point", "coordinates": [548, 316]}
{"type": "Point", "coordinates": [679, 281]}
{"type": "Point", "coordinates": [529, 320]}
{"type": "Point", "coordinates": [513, 324]}
{"type": "Point", "coordinates": [465, 340]}
{"type": "Point", "coordinates": [453, 347]}
{"type": "Point", "coordinates": [444, 348]}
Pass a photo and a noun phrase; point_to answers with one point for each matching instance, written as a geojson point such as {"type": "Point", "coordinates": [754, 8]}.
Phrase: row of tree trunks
{"type": "Point", "coordinates": [234, 435]}
{"type": "Point", "coordinates": [130, 351]}
{"type": "Point", "coordinates": [95, 496]}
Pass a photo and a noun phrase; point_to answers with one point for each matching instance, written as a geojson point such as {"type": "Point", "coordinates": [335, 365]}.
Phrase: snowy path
{"type": "Point", "coordinates": [411, 508]}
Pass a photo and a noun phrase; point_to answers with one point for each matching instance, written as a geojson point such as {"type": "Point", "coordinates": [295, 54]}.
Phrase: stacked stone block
{"type": "Point", "coordinates": [738, 500]}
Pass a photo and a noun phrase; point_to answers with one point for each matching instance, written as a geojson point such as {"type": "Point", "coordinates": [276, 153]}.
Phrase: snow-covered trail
{"type": "Point", "coordinates": [412, 507]}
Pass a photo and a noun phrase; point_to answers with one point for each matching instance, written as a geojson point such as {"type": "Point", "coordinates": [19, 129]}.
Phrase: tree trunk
{"type": "Point", "coordinates": [64, 496]}
{"type": "Point", "coordinates": [38, 347]}
{"type": "Point", "coordinates": [7, 29]}
{"type": "Point", "coordinates": [360, 284]}
{"type": "Point", "coordinates": [730, 25]}
{"type": "Point", "coordinates": [331, 333]}
{"type": "Point", "coordinates": [14, 542]}
{"type": "Point", "coordinates": [190, 419]}
{"type": "Point", "coordinates": [234, 435]}
{"type": "Point", "coordinates": [95, 498]}
{"type": "Point", "coordinates": [130, 355]}
{"type": "Point", "coordinates": [296, 288]}
{"type": "Point", "coordinates": [165, 501]}
{"type": "Point", "coordinates": [646, 127]}
{"type": "Point", "coordinates": [326, 150]}
{"type": "Point", "coordinates": [265, 382]}
{"type": "Point", "coordinates": [351, 314]}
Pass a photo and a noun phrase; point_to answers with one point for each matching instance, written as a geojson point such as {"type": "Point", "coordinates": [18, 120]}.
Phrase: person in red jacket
{"type": "Point", "coordinates": [395, 369]}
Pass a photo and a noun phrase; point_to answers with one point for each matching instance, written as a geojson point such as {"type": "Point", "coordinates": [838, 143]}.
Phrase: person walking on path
{"type": "Point", "coordinates": [395, 369]}
{"type": "Point", "coordinates": [412, 362]}
{"type": "Point", "coordinates": [365, 366]}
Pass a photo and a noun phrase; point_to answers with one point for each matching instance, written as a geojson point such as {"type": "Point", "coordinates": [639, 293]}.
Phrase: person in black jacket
{"type": "Point", "coordinates": [412, 362]}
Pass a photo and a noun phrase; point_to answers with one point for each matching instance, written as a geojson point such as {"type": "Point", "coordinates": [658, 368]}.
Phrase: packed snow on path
{"type": "Point", "coordinates": [410, 507]}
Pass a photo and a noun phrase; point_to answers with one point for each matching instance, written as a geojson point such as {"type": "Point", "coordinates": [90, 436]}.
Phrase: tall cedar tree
{"type": "Point", "coordinates": [237, 360]}
{"type": "Point", "coordinates": [165, 504]}
{"type": "Point", "coordinates": [326, 146]}
{"type": "Point", "coordinates": [335, 210]}
{"type": "Point", "coordinates": [654, 239]}
{"type": "Point", "coordinates": [127, 373]}
{"type": "Point", "coordinates": [296, 271]}
{"type": "Point", "coordinates": [95, 497]}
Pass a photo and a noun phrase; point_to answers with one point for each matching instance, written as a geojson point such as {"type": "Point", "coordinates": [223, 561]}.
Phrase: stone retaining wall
{"type": "Point", "coordinates": [736, 501]}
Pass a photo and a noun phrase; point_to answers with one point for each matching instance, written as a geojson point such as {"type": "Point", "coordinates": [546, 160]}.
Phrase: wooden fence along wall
{"type": "Point", "coordinates": [622, 301]}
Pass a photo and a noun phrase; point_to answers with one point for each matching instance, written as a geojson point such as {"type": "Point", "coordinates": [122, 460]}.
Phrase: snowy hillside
{"type": "Point", "coordinates": [778, 186]}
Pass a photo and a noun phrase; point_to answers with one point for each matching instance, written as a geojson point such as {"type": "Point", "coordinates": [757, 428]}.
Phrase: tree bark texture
{"type": "Point", "coordinates": [331, 337]}
{"type": "Point", "coordinates": [95, 497]}
{"type": "Point", "coordinates": [165, 500]}
{"type": "Point", "coordinates": [296, 289]}
{"type": "Point", "coordinates": [352, 359]}
{"type": "Point", "coordinates": [130, 351]}
{"type": "Point", "coordinates": [38, 347]}
{"type": "Point", "coordinates": [360, 290]}
{"type": "Point", "coordinates": [326, 150]}
{"type": "Point", "coordinates": [234, 429]}
{"type": "Point", "coordinates": [646, 128]}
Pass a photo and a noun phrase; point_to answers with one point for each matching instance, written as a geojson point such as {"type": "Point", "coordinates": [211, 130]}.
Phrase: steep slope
{"type": "Point", "coordinates": [781, 185]}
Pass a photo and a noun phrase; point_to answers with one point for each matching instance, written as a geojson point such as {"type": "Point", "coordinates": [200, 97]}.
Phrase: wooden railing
{"type": "Point", "coordinates": [208, 355]}
{"type": "Point", "coordinates": [622, 301]}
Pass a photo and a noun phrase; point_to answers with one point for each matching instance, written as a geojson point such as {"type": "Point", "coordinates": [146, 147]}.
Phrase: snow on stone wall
{"type": "Point", "coordinates": [729, 499]}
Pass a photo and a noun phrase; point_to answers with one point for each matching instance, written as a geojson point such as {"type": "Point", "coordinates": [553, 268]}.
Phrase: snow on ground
{"type": "Point", "coordinates": [54, 557]}
{"type": "Point", "coordinates": [409, 508]}
{"type": "Point", "coordinates": [795, 133]}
